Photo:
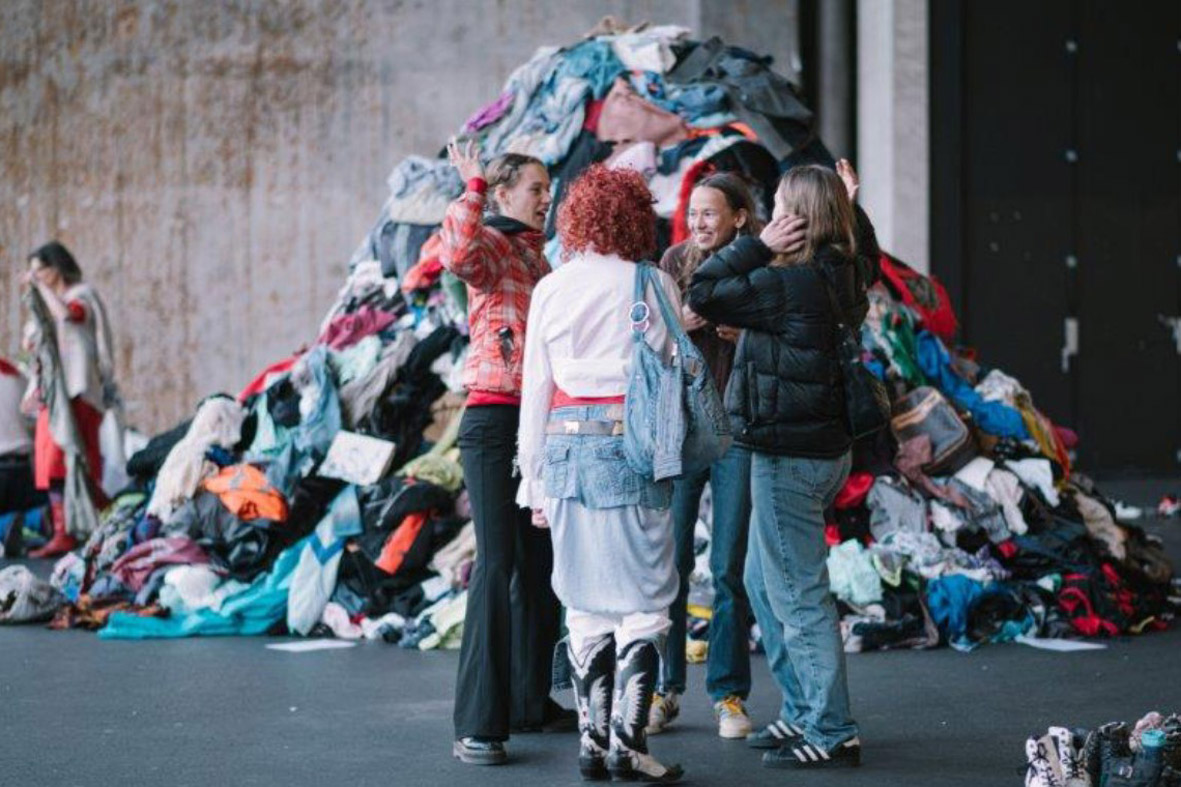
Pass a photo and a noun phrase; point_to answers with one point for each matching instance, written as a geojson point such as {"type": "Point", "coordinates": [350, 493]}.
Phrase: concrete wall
{"type": "Point", "coordinates": [893, 145]}
{"type": "Point", "coordinates": [213, 164]}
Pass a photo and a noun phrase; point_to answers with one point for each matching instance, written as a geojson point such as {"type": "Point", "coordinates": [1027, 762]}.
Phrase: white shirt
{"type": "Point", "coordinates": [578, 339]}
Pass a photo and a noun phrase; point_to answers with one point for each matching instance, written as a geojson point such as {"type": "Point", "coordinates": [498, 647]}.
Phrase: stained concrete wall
{"type": "Point", "coordinates": [213, 164]}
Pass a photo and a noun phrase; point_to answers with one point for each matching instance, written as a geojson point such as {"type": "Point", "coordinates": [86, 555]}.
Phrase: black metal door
{"type": "Point", "coordinates": [1128, 132]}
{"type": "Point", "coordinates": [1056, 130]}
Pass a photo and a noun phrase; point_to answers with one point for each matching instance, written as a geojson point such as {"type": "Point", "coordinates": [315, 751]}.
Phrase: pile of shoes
{"type": "Point", "coordinates": [1147, 754]}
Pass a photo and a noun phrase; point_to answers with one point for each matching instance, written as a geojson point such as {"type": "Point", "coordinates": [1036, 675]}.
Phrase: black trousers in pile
{"type": "Point", "coordinates": [513, 617]}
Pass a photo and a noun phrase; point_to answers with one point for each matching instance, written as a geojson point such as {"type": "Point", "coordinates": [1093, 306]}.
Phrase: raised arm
{"type": "Point", "coordinates": [473, 253]}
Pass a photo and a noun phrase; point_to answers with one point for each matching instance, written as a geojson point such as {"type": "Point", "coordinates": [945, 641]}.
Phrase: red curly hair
{"type": "Point", "coordinates": [608, 211]}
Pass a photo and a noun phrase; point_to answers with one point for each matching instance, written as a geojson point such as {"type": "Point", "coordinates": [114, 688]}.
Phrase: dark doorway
{"type": "Point", "coordinates": [1056, 210]}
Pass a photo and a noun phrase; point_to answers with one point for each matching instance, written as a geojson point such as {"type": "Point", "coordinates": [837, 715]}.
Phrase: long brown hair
{"type": "Point", "coordinates": [505, 170]}
{"type": "Point", "coordinates": [817, 194]}
{"type": "Point", "coordinates": [738, 196]}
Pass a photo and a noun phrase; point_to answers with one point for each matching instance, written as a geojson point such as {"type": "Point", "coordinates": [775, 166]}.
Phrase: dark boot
{"type": "Point", "coordinates": [593, 681]}
{"type": "Point", "coordinates": [62, 542]}
{"type": "Point", "coordinates": [636, 672]}
{"type": "Point", "coordinates": [1103, 746]}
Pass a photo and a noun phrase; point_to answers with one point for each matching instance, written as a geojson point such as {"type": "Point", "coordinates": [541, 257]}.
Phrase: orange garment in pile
{"type": "Point", "coordinates": [245, 491]}
{"type": "Point", "coordinates": [400, 542]}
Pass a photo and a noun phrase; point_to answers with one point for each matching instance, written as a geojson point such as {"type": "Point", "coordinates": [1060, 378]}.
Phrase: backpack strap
{"type": "Point", "coordinates": [645, 275]}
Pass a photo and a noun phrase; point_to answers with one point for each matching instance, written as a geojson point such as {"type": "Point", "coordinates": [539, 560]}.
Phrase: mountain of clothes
{"type": "Point", "coordinates": [964, 524]}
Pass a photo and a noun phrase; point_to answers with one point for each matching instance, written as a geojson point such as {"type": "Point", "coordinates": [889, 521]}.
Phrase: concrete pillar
{"type": "Point", "coordinates": [892, 124]}
{"type": "Point", "coordinates": [836, 72]}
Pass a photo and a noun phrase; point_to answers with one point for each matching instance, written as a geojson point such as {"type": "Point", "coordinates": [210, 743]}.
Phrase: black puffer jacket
{"type": "Point", "coordinates": [785, 394]}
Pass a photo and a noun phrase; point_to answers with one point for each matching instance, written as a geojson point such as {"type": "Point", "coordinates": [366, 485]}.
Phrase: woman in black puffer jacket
{"type": "Point", "coordinates": [786, 401]}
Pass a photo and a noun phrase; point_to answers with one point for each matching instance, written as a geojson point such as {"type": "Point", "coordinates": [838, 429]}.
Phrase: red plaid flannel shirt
{"type": "Point", "coordinates": [500, 272]}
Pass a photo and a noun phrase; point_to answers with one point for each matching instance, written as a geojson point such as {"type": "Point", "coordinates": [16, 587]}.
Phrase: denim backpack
{"type": "Point", "coordinates": [674, 422]}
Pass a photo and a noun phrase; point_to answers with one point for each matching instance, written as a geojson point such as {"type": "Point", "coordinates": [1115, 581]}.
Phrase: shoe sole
{"type": "Point", "coordinates": [735, 736]}
{"type": "Point", "coordinates": [636, 776]}
{"type": "Point", "coordinates": [796, 765]}
{"type": "Point", "coordinates": [478, 759]}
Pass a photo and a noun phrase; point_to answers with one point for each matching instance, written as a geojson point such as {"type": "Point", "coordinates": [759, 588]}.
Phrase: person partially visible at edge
{"type": "Point", "coordinates": [84, 347]}
{"type": "Point", "coordinates": [612, 529]}
{"type": "Point", "coordinates": [492, 241]}
{"type": "Point", "coordinates": [720, 208]}
{"type": "Point", "coordinates": [787, 406]}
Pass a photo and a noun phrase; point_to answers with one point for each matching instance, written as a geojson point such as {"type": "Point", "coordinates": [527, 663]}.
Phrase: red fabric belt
{"type": "Point", "coordinates": [563, 399]}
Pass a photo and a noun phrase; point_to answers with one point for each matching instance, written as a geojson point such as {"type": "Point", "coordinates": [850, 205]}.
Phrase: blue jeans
{"type": "Point", "coordinates": [728, 667]}
{"type": "Point", "coordinates": [593, 469]}
{"type": "Point", "coordinates": [787, 579]}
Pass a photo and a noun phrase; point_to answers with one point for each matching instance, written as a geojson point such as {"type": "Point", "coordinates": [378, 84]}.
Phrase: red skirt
{"type": "Point", "coordinates": [49, 461]}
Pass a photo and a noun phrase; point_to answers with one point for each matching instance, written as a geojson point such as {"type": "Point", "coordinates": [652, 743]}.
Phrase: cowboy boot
{"type": "Point", "coordinates": [593, 679]}
{"type": "Point", "coordinates": [636, 672]}
{"type": "Point", "coordinates": [62, 542]}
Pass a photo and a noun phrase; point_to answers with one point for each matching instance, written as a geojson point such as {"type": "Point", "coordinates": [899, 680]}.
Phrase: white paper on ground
{"type": "Point", "coordinates": [312, 644]}
{"type": "Point", "coordinates": [1059, 645]}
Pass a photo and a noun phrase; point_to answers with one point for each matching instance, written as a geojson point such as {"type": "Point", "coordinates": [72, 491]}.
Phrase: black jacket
{"type": "Point", "coordinates": [785, 394]}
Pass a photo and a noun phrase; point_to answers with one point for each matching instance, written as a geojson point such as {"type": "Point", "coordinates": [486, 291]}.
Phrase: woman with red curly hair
{"type": "Point", "coordinates": [611, 528]}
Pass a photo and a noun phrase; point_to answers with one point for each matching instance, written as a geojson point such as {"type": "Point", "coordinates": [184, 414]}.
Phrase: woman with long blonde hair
{"type": "Point", "coordinates": [787, 404]}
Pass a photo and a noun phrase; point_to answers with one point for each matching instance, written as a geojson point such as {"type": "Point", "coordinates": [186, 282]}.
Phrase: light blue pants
{"type": "Point", "coordinates": [787, 583]}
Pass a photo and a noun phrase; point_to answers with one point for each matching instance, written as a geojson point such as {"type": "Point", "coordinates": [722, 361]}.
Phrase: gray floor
{"type": "Point", "coordinates": [75, 710]}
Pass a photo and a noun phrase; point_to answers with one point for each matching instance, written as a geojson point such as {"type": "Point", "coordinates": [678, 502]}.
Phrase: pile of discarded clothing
{"type": "Point", "coordinates": [965, 522]}
{"type": "Point", "coordinates": [314, 502]}
{"type": "Point", "coordinates": [651, 100]}
{"type": "Point", "coordinates": [1116, 754]}
{"type": "Point", "coordinates": [310, 503]}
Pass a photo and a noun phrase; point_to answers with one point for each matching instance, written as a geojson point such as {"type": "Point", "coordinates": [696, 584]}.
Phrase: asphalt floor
{"type": "Point", "coordinates": [77, 710]}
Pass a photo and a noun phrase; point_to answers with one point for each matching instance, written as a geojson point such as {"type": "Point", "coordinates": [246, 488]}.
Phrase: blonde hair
{"type": "Point", "coordinates": [817, 194]}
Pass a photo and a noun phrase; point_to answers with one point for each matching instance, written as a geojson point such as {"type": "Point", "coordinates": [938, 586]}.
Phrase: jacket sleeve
{"type": "Point", "coordinates": [469, 250]}
{"type": "Point", "coordinates": [851, 297]}
{"type": "Point", "coordinates": [670, 262]}
{"type": "Point", "coordinates": [868, 267]}
{"type": "Point", "coordinates": [732, 287]}
{"type": "Point", "coordinates": [537, 389]}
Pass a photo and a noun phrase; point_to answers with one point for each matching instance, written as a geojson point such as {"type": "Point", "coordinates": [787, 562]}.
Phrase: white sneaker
{"type": "Point", "coordinates": [1070, 757]}
{"type": "Point", "coordinates": [732, 719]}
{"type": "Point", "coordinates": [1127, 513]}
{"type": "Point", "coordinates": [666, 706]}
{"type": "Point", "coordinates": [1044, 768]}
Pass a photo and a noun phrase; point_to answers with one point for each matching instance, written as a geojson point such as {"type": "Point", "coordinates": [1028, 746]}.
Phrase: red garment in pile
{"type": "Point", "coordinates": [924, 295]}
{"type": "Point", "coordinates": [259, 383]}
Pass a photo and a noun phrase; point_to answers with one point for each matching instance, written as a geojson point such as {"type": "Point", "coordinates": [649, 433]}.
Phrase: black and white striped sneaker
{"type": "Point", "coordinates": [805, 755]}
{"type": "Point", "coordinates": [774, 735]}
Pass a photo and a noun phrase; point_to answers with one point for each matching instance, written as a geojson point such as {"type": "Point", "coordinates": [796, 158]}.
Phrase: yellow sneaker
{"type": "Point", "coordinates": [732, 719]}
{"type": "Point", "coordinates": [666, 706]}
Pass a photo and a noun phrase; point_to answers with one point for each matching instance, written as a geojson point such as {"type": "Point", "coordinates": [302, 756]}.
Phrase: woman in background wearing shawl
{"type": "Point", "coordinates": [68, 312]}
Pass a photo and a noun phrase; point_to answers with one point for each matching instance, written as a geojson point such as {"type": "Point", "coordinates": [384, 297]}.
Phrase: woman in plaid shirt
{"type": "Point", "coordinates": [508, 639]}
